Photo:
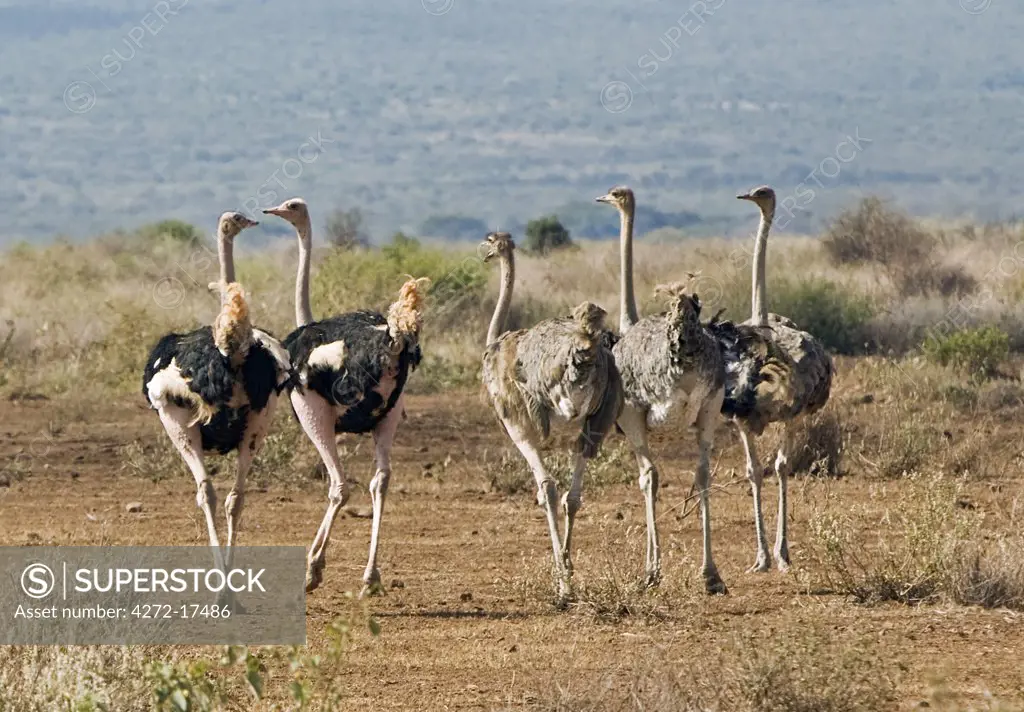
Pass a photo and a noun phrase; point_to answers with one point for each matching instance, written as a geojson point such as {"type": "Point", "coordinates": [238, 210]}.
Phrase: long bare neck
{"type": "Point", "coordinates": [759, 298]}
{"type": "Point", "coordinates": [508, 278]}
{"type": "Point", "coordinates": [303, 313]}
{"type": "Point", "coordinates": [627, 307]}
{"type": "Point", "coordinates": [226, 253]}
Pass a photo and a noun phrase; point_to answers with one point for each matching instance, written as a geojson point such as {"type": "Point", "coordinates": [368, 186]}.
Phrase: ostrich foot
{"type": "Point", "coordinates": [314, 575]}
{"type": "Point", "coordinates": [651, 579]}
{"type": "Point", "coordinates": [713, 583]}
{"type": "Point", "coordinates": [762, 565]}
{"type": "Point", "coordinates": [564, 595]}
{"type": "Point", "coordinates": [372, 585]}
{"type": "Point", "coordinates": [782, 559]}
{"type": "Point", "coordinates": [226, 599]}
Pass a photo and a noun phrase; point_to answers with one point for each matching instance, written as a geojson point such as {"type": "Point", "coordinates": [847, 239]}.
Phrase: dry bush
{"type": "Point", "coordinates": [990, 578]}
{"type": "Point", "coordinates": [797, 672]}
{"type": "Point", "coordinates": [508, 474]}
{"type": "Point", "coordinates": [1000, 395]}
{"type": "Point", "coordinates": [81, 678]}
{"type": "Point", "coordinates": [875, 234]}
{"type": "Point", "coordinates": [914, 556]}
{"type": "Point", "coordinates": [816, 447]}
{"type": "Point", "coordinates": [607, 583]}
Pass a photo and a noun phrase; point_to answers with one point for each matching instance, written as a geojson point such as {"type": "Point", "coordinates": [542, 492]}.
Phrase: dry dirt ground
{"type": "Point", "coordinates": [471, 629]}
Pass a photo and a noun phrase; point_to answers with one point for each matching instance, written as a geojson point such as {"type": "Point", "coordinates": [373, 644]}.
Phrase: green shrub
{"type": "Point", "coordinates": [546, 234]}
{"type": "Point", "coordinates": [975, 353]}
{"type": "Point", "coordinates": [360, 279]}
{"type": "Point", "coordinates": [836, 316]}
{"type": "Point", "coordinates": [177, 230]}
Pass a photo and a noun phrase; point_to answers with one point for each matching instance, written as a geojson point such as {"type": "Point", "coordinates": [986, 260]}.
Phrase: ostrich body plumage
{"type": "Point", "coordinates": [230, 393]}
{"type": "Point", "coordinates": [366, 382]}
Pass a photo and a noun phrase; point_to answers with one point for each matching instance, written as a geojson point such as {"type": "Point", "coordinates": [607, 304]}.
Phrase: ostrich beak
{"type": "Point", "coordinates": [745, 196]}
{"type": "Point", "coordinates": [278, 211]}
{"type": "Point", "coordinates": [604, 199]}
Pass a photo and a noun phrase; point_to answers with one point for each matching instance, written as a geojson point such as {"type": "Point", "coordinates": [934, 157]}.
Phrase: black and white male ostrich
{"type": "Point", "coordinates": [667, 361]}
{"type": "Point", "coordinates": [559, 368]}
{"type": "Point", "coordinates": [216, 388]}
{"type": "Point", "coordinates": [350, 374]}
{"type": "Point", "coordinates": [775, 373]}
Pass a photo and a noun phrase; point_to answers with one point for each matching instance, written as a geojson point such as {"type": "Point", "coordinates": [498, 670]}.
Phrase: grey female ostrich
{"type": "Point", "coordinates": [775, 373]}
{"type": "Point", "coordinates": [216, 388]}
{"type": "Point", "coordinates": [350, 374]}
{"type": "Point", "coordinates": [667, 361]}
{"type": "Point", "coordinates": [558, 368]}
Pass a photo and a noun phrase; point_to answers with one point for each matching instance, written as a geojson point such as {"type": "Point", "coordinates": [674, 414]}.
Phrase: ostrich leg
{"type": "Point", "coordinates": [634, 425]}
{"type": "Point", "coordinates": [756, 476]}
{"type": "Point", "coordinates": [781, 541]}
{"type": "Point", "coordinates": [383, 437]}
{"type": "Point", "coordinates": [588, 444]}
{"type": "Point", "coordinates": [189, 444]}
{"type": "Point", "coordinates": [256, 431]}
{"type": "Point", "coordinates": [705, 434]}
{"type": "Point", "coordinates": [316, 416]}
{"type": "Point", "coordinates": [547, 497]}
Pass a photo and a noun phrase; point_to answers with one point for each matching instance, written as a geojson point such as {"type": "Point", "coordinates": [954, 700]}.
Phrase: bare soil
{"type": "Point", "coordinates": [465, 621]}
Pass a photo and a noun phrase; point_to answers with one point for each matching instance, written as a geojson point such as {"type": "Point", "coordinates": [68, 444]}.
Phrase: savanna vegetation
{"type": "Point", "coordinates": [906, 496]}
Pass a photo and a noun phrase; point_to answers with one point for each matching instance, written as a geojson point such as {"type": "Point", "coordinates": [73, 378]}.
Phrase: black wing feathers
{"type": "Point", "coordinates": [209, 372]}
{"type": "Point", "coordinates": [367, 360]}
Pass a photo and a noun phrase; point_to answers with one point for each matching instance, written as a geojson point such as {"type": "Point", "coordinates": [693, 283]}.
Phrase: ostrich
{"type": "Point", "coordinates": [350, 374]}
{"type": "Point", "coordinates": [215, 388]}
{"type": "Point", "coordinates": [559, 368]}
{"type": "Point", "coordinates": [775, 373]}
{"type": "Point", "coordinates": [666, 361]}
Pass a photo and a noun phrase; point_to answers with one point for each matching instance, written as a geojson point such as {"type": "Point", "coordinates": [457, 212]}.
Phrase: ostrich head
{"type": "Point", "coordinates": [497, 244]}
{"type": "Point", "coordinates": [680, 299]}
{"type": "Point", "coordinates": [230, 224]}
{"type": "Point", "coordinates": [762, 196]}
{"type": "Point", "coordinates": [294, 210]}
{"type": "Point", "coordinates": [620, 196]}
{"type": "Point", "coordinates": [590, 317]}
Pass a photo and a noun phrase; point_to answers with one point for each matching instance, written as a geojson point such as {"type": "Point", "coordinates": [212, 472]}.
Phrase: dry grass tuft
{"type": "Point", "coordinates": [913, 560]}
{"type": "Point", "coordinates": [83, 678]}
{"type": "Point", "coordinates": [816, 446]}
{"type": "Point", "coordinates": [992, 578]}
{"type": "Point", "coordinates": [614, 465]}
{"type": "Point", "coordinates": [805, 673]}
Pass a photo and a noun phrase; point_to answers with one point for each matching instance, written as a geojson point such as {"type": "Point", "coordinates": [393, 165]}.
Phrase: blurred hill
{"type": "Point", "coordinates": [114, 113]}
